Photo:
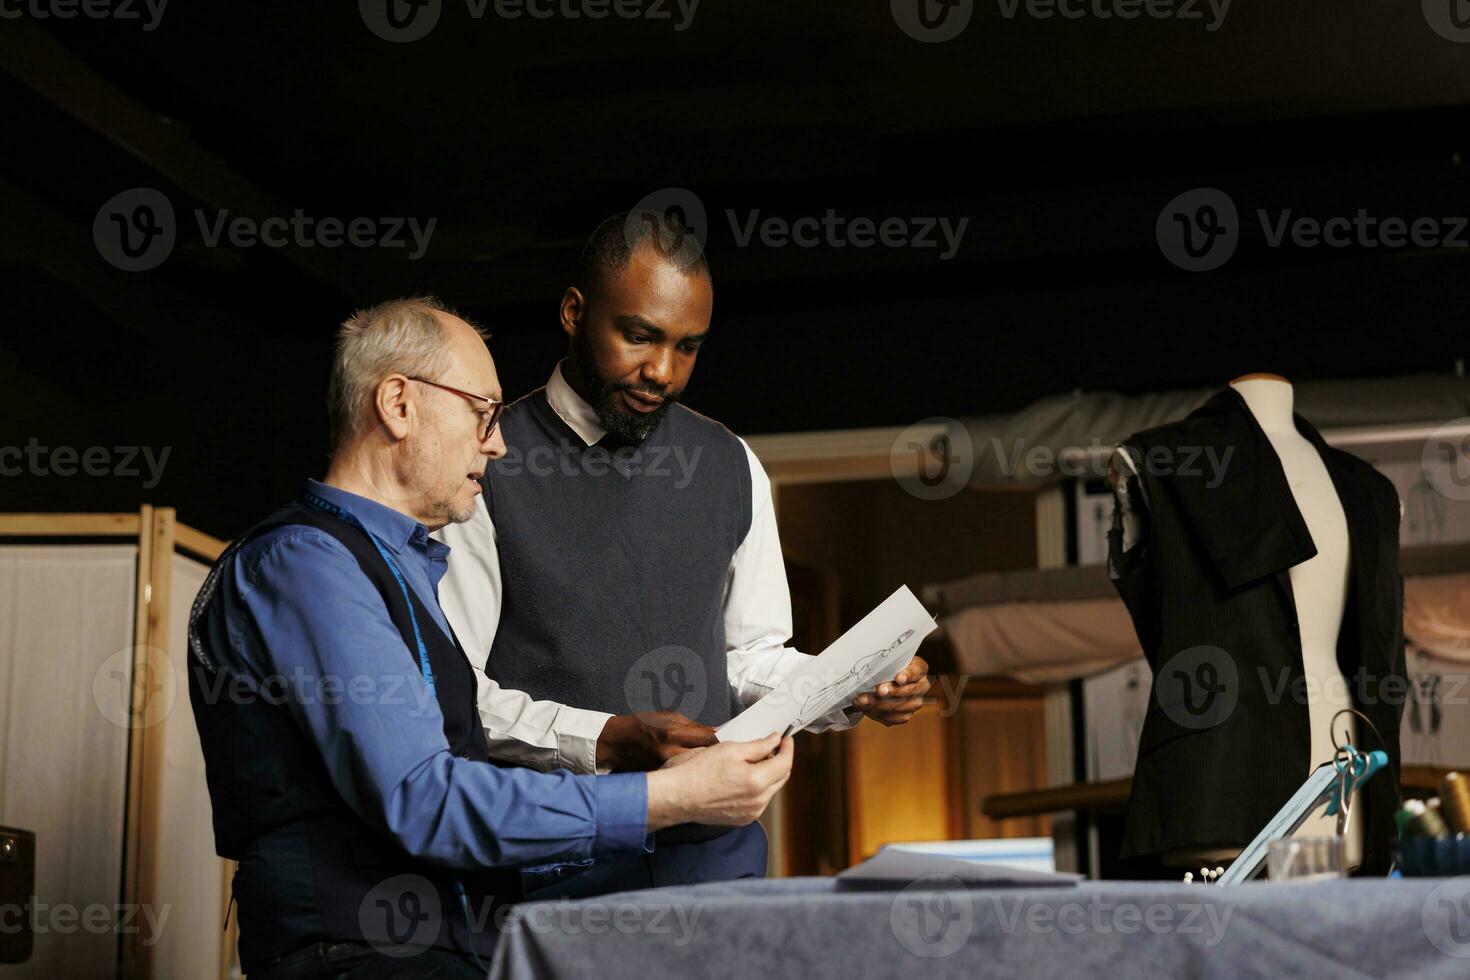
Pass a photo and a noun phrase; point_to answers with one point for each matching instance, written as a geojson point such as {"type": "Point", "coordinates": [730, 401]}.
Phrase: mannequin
{"type": "Point", "coordinates": [1319, 586]}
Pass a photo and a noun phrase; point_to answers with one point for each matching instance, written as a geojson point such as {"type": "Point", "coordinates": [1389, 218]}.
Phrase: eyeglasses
{"type": "Point", "coordinates": [489, 417]}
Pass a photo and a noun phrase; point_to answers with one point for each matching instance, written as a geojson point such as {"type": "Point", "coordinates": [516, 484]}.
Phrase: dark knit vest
{"type": "Point", "coordinates": [614, 562]}
{"type": "Point", "coordinates": [312, 870]}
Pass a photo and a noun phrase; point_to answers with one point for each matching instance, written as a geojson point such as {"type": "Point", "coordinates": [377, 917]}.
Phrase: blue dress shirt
{"type": "Point", "coordinates": [305, 623]}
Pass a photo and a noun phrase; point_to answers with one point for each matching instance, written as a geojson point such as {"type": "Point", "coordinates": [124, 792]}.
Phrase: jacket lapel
{"type": "Point", "coordinates": [1249, 523]}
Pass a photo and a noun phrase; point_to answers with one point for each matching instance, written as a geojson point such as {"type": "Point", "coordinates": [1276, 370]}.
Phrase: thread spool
{"type": "Point", "coordinates": [1429, 823]}
{"type": "Point", "coordinates": [1454, 795]}
{"type": "Point", "coordinates": [1407, 813]}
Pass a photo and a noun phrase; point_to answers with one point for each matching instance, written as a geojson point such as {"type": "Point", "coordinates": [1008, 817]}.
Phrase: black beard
{"type": "Point", "coordinates": [622, 425]}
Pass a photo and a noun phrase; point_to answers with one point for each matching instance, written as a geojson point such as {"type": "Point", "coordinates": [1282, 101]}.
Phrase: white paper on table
{"type": "Point", "coordinates": [873, 651]}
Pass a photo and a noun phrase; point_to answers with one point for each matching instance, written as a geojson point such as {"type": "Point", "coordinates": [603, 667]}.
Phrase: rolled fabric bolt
{"type": "Point", "coordinates": [1454, 794]}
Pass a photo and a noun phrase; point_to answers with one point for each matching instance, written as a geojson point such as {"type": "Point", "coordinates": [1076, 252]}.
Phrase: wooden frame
{"type": "Point", "coordinates": [70, 525]}
{"type": "Point", "coordinates": [829, 457]}
{"type": "Point", "coordinates": [158, 536]}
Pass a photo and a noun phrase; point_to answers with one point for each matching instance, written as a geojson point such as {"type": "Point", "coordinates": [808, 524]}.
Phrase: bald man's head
{"type": "Point", "coordinates": [412, 392]}
{"type": "Point", "coordinates": [408, 336]}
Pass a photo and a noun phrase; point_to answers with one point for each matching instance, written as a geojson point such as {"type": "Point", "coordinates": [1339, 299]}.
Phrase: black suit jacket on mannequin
{"type": "Point", "coordinates": [1209, 591]}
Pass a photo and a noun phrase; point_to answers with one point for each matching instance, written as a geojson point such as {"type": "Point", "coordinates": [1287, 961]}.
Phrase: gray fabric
{"type": "Point", "coordinates": [1073, 583]}
{"type": "Point", "coordinates": [1083, 582]}
{"type": "Point", "coordinates": [893, 868]}
{"type": "Point", "coordinates": [804, 928]}
{"type": "Point", "coordinates": [1076, 432]}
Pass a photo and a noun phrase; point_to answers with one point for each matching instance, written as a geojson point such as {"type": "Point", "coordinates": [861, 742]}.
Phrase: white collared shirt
{"type": "Point", "coordinates": [547, 735]}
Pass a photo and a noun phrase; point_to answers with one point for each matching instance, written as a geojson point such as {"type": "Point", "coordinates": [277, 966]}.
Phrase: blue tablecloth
{"type": "Point", "coordinates": [808, 928]}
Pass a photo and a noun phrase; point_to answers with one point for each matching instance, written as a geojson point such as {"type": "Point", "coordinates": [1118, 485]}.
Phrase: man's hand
{"type": "Point", "coordinates": [648, 740]}
{"type": "Point", "coordinates": [895, 702]}
{"type": "Point", "coordinates": [728, 784]}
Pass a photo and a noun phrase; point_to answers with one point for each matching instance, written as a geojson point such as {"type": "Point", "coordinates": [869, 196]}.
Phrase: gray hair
{"type": "Point", "coordinates": [401, 336]}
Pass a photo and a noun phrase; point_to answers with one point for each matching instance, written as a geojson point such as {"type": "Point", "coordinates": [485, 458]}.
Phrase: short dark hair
{"type": "Point", "coordinates": [613, 242]}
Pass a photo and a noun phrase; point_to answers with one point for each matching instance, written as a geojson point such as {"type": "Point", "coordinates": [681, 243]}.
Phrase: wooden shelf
{"type": "Point", "coordinates": [1113, 795]}
{"type": "Point", "coordinates": [1109, 795]}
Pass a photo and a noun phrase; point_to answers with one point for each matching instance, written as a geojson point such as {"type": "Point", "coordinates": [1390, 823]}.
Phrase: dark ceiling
{"type": "Point", "coordinates": [1059, 139]}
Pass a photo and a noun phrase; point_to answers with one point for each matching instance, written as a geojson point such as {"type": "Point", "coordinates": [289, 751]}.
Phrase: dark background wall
{"type": "Point", "coordinates": [1061, 140]}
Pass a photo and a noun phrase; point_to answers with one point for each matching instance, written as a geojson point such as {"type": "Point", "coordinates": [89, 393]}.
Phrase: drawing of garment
{"type": "Point", "coordinates": [816, 704]}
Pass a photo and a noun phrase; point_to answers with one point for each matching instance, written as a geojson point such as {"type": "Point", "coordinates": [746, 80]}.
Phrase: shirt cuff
{"type": "Point", "coordinates": [622, 813]}
{"type": "Point", "coordinates": [577, 730]}
{"type": "Point", "coordinates": [836, 720]}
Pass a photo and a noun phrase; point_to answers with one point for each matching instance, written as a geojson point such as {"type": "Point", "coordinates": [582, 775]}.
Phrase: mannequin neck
{"type": "Point", "coordinates": [1269, 400]}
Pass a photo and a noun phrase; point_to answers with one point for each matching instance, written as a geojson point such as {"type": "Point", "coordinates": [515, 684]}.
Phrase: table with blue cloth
{"type": "Point", "coordinates": [815, 927]}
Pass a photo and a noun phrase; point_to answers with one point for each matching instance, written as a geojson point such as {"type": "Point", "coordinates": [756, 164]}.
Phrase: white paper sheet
{"type": "Point", "coordinates": [873, 651]}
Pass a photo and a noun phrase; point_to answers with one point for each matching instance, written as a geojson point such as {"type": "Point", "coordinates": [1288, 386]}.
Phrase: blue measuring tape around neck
{"type": "Point", "coordinates": [341, 513]}
{"type": "Point", "coordinates": [418, 637]}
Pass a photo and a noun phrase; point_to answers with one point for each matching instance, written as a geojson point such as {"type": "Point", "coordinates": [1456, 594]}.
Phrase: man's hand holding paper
{"type": "Point", "coordinates": [894, 702]}
{"type": "Point", "coordinates": [881, 645]}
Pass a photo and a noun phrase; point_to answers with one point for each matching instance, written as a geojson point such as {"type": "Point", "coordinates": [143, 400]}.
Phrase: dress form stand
{"type": "Point", "coordinates": [1319, 590]}
{"type": "Point", "coordinates": [1318, 585]}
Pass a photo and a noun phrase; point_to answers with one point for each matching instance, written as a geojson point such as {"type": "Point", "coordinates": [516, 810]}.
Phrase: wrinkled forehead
{"type": "Point", "coordinates": [470, 365]}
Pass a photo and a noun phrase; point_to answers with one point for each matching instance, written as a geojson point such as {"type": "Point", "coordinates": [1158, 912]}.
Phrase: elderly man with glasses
{"type": "Point", "coordinates": [348, 769]}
